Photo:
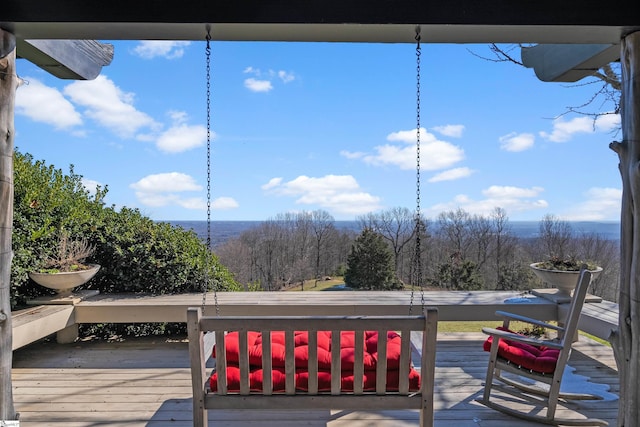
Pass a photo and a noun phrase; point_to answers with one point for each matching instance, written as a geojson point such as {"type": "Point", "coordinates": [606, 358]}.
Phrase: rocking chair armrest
{"type": "Point", "coordinates": [519, 318]}
{"type": "Point", "coordinates": [521, 338]}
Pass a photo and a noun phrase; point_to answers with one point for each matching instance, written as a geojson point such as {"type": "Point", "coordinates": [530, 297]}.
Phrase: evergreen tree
{"type": "Point", "coordinates": [370, 264]}
{"type": "Point", "coordinates": [459, 275]}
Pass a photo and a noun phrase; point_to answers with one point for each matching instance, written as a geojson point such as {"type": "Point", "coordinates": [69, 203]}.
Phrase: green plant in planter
{"type": "Point", "coordinates": [562, 273]}
{"type": "Point", "coordinates": [565, 264]}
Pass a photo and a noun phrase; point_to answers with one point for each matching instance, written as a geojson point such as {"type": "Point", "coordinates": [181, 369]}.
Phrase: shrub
{"type": "Point", "coordinates": [136, 253]}
{"type": "Point", "coordinates": [140, 255]}
{"type": "Point", "coordinates": [46, 203]}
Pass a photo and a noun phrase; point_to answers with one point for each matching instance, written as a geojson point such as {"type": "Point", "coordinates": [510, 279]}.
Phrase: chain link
{"type": "Point", "coordinates": [205, 286]}
{"type": "Point", "coordinates": [417, 272]}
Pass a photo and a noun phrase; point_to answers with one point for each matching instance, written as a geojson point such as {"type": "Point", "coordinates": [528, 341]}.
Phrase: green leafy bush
{"type": "Point", "coordinates": [136, 253]}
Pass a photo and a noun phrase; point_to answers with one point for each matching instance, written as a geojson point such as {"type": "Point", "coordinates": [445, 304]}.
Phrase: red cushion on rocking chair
{"type": "Point", "coordinates": [540, 359]}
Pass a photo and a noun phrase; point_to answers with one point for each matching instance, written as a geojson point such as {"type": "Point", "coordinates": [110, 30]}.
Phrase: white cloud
{"type": "Point", "coordinates": [46, 104]}
{"type": "Point", "coordinates": [406, 136]}
{"type": "Point", "coordinates": [263, 81]}
{"type": "Point", "coordinates": [109, 106]}
{"type": "Point", "coordinates": [337, 193]}
{"type": "Point", "coordinates": [255, 85]}
{"type": "Point", "coordinates": [352, 154]}
{"type": "Point", "coordinates": [563, 131]}
{"type": "Point", "coordinates": [452, 131]}
{"type": "Point", "coordinates": [182, 138]}
{"type": "Point", "coordinates": [286, 77]}
{"type": "Point", "coordinates": [515, 142]}
{"type": "Point", "coordinates": [165, 189]}
{"type": "Point", "coordinates": [273, 182]}
{"type": "Point", "coordinates": [451, 174]}
{"type": "Point", "coordinates": [608, 122]}
{"type": "Point", "coordinates": [149, 49]}
{"type": "Point", "coordinates": [511, 199]}
{"type": "Point", "coordinates": [178, 117]}
{"type": "Point", "coordinates": [163, 182]}
{"type": "Point", "coordinates": [224, 203]}
{"type": "Point", "coordinates": [434, 154]}
{"type": "Point", "coordinates": [599, 204]}
{"type": "Point", "coordinates": [510, 192]}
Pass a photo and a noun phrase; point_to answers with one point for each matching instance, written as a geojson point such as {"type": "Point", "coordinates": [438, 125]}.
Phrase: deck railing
{"type": "Point", "coordinates": [63, 315]}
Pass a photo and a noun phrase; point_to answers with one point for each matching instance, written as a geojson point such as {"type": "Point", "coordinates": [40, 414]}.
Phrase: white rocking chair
{"type": "Point", "coordinates": [546, 397]}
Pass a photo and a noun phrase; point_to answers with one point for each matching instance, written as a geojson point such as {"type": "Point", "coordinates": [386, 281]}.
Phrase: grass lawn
{"type": "Point", "coordinates": [317, 285]}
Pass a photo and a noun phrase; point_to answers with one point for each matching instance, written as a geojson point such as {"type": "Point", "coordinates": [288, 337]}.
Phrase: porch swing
{"type": "Point", "coordinates": [313, 362]}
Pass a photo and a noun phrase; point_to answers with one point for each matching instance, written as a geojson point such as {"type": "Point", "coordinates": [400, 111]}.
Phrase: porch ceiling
{"type": "Point", "coordinates": [384, 21]}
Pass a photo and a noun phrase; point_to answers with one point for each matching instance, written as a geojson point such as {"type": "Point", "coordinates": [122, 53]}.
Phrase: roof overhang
{"type": "Point", "coordinates": [67, 59]}
{"type": "Point", "coordinates": [555, 26]}
{"type": "Point", "coordinates": [568, 62]}
{"type": "Point", "coordinates": [374, 21]}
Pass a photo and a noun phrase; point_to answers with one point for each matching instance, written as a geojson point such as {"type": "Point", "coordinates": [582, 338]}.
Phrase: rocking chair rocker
{"type": "Point", "coordinates": [538, 360]}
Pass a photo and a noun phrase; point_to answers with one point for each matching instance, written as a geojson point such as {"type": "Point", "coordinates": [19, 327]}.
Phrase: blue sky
{"type": "Point", "coordinates": [307, 126]}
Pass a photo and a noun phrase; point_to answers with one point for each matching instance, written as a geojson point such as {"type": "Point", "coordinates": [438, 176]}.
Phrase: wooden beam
{"type": "Point", "coordinates": [568, 62]}
{"type": "Point", "coordinates": [67, 59]}
{"type": "Point", "coordinates": [453, 21]}
{"type": "Point", "coordinates": [8, 86]}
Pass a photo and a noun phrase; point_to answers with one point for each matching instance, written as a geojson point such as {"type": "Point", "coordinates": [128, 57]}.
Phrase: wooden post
{"type": "Point", "coordinates": [8, 85]}
{"type": "Point", "coordinates": [626, 340]}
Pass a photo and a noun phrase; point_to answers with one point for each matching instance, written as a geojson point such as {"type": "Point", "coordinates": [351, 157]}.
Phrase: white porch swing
{"type": "Point", "coordinates": [313, 362]}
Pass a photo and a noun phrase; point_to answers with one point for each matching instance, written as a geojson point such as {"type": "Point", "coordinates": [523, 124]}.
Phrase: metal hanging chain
{"type": "Point", "coordinates": [205, 285]}
{"type": "Point", "coordinates": [417, 273]}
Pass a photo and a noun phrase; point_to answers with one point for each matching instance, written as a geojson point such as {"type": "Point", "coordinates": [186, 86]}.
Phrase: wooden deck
{"type": "Point", "coordinates": [146, 382]}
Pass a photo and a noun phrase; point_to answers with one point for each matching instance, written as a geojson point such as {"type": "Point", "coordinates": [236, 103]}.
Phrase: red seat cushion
{"type": "Point", "coordinates": [301, 352]}
{"type": "Point", "coordinates": [302, 380]}
{"type": "Point", "coordinates": [301, 345]}
{"type": "Point", "coordinates": [536, 358]}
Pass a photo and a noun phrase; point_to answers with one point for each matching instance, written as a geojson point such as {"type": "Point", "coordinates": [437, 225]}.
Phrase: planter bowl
{"type": "Point", "coordinates": [564, 281]}
{"type": "Point", "coordinates": [64, 282]}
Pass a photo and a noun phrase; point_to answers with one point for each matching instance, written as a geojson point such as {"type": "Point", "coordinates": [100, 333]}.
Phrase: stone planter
{"type": "Point", "coordinates": [564, 281]}
{"type": "Point", "coordinates": [64, 282]}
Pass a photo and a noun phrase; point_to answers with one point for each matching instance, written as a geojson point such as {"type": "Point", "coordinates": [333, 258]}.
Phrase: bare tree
{"type": "Point", "coordinates": [321, 225]}
{"type": "Point", "coordinates": [556, 238]}
{"type": "Point", "coordinates": [505, 253]}
{"type": "Point", "coordinates": [454, 228]}
{"type": "Point", "coordinates": [237, 256]}
{"type": "Point", "coordinates": [396, 226]}
{"type": "Point", "coordinates": [606, 254]}
{"type": "Point", "coordinates": [481, 235]}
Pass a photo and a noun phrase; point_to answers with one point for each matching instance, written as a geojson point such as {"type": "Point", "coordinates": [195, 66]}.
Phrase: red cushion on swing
{"type": "Point", "coordinates": [536, 358]}
{"type": "Point", "coordinates": [301, 352]}
{"type": "Point", "coordinates": [302, 380]}
{"type": "Point", "coordinates": [301, 349]}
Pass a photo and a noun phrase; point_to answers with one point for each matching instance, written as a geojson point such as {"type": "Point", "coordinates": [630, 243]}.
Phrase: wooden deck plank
{"type": "Point", "coordinates": [146, 382]}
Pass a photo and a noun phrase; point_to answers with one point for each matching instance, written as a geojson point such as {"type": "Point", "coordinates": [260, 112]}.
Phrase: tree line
{"type": "Point", "coordinates": [458, 251]}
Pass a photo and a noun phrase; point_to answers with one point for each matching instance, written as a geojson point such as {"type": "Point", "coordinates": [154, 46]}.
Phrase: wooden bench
{"type": "Point", "coordinates": [34, 323]}
{"type": "Point", "coordinates": [380, 399]}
